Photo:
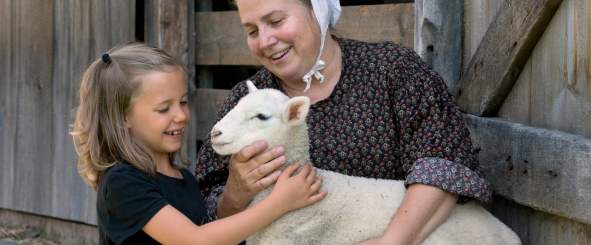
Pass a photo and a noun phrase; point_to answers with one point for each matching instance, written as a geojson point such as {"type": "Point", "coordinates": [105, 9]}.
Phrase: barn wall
{"type": "Point", "coordinates": [554, 89]}
{"type": "Point", "coordinates": [45, 46]}
{"type": "Point", "coordinates": [542, 195]}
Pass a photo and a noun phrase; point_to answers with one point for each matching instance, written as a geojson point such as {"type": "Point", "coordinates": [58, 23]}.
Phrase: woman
{"type": "Point", "coordinates": [378, 111]}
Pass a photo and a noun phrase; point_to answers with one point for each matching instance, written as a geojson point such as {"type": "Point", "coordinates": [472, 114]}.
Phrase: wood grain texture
{"type": "Point", "coordinates": [29, 121]}
{"type": "Point", "coordinates": [503, 52]}
{"type": "Point", "coordinates": [84, 30]}
{"type": "Point", "coordinates": [478, 15]}
{"type": "Point", "coordinates": [221, 40]}
{"type": "Point", "coordinates": [8, 106]}
{"type": "Point", "coordinates": [539, 168]}
{"type": "Point", "coordinates": [553, 88]}
{"type": "Point", "coordinates": [436, 38]}
{"type": "Point", "coordinates": [167, 26]}
{"type": "Point", "coordinates": [539, 228]}
{"type": "Point", "coordinates": [50, 44]}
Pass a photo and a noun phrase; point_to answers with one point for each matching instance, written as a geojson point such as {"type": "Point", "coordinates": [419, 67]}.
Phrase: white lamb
{"type": "Point", "coordinates": [355, 208]}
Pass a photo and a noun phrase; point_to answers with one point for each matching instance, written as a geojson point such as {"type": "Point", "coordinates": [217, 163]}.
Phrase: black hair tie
{"type": "Point", "coordinates": [106, 58]}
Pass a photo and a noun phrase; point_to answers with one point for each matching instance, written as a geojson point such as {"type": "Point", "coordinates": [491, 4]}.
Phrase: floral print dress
{"type": "Point", "coordinates": [389, 116]}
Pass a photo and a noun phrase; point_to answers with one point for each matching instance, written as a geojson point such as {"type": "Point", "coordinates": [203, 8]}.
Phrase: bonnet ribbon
{"type": "Point", "coordinates": [327, 14]}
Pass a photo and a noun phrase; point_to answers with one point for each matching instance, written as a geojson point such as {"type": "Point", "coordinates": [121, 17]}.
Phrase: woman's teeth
{"type": "Point", "coordinates": [279, 55]}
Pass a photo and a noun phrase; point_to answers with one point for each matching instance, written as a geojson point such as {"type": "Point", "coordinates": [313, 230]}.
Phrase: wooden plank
{"type": "Point", "coordinates": [206, 104]}
{"type": "Point", "coordinates": [502, 54]}
{"type": "Point", "coordinates": [539, 228]}
{"type": "Point", "coordinates": [8, 106]}
{"type": "Point", "coordinates": [221, 40]}
{"type": "Point", "coordinates": [167, 27]}
{"type": "Point", "coordinates": [543, 169]}
{"type": "Point", "coordinates": [436, 38]}
{"type": "Point", "coordinates": [204, 73]}
{"type": "Point", "coordinates": [553, 89]}
{"type": "Point", "coordinates": [31, 62]}
{"type": "Point", "coordinates": [91, 27]}
{"type": "Point", "coordinates": [478, 15]}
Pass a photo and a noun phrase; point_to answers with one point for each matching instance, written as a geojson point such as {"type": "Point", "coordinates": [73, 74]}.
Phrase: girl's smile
{"type": "Point", "coordinates": [159, 112]}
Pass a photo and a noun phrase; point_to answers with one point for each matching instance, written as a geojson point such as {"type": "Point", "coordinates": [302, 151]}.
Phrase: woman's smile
{"type": "Point", "coordinates": [281, 56]}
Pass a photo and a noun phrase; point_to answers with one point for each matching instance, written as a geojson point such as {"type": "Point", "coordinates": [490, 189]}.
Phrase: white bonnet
{"type": "Point", "coordinates": [327, 14]}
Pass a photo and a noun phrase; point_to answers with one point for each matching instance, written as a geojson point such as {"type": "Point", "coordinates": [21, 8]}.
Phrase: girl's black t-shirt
{"type": "Point", "coordinates": [127, 198]}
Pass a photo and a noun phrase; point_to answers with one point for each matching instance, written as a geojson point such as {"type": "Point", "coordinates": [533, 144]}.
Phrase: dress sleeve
{"type": "Point", "coordinates": [435, 144]}
{"type": "Point", "coordinates": [211, 169]}
{"type": "Point", "coordinates": [130, 199]}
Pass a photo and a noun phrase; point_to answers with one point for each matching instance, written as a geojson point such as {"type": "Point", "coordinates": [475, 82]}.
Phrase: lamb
{"type": "Point", "coordinates": [355, 208]}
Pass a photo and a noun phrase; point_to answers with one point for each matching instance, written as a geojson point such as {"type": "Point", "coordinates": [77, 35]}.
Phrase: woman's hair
{"type": "Point", "coordinates": [106, 90]}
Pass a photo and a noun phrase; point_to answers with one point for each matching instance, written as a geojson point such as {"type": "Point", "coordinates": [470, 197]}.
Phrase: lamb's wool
{"type": "Point", "coordinates": [355, 208]}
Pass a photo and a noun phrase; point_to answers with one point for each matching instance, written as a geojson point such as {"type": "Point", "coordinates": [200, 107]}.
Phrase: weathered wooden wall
{"type": "Point", "coordinates": [537, 151]}
{"type": "Point", "coordinates": [554, 89]}
{"type": "Point", "coordinates": [45, 46]}
{"type": "Point", "coordinates": [540, 175]}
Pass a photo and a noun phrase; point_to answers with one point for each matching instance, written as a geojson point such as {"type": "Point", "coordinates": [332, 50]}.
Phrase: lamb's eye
{"type": "Point", "coordinates": [261, 117]}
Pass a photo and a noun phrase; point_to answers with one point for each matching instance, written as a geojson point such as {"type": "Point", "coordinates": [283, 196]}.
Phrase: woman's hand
{"type": "Point", "coordinates": [299, 190]}
{"type": "Point", "coordinates": [251, 170]}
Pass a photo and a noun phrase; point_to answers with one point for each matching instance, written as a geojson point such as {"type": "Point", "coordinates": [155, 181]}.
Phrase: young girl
{"type": "Point", "coordinates": [128, 130]}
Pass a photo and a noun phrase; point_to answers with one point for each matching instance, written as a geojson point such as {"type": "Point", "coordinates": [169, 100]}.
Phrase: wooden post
{"type": "Point", "coordinates": [438, 37]}
{"type": "Point", "coordinates": [502, 54]}
{"type": "Point", "coordinates": [204, 74]}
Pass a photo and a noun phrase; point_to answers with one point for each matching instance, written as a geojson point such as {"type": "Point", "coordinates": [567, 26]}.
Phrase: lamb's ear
{"type": "Point", "coordinates": [296, 109]}
{"type": "Point", "coordinates": [251, 87]}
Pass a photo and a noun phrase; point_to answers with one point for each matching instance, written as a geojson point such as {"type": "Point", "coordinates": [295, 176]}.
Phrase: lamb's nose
{"type": "Point", "coordinates": [215, 133]}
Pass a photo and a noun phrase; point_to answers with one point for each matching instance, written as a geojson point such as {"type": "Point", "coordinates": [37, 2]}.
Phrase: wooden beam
{"type": "Point", "coordinates": [504, 50]}
{"type": "Point", "coordinates": [221, 40]}
{"type": "Point", "coordinates": [167, 24]}
{"type": "Point", "coordinates": [544, 169]}
{"type": "Point", "coordinates": [436, 38]}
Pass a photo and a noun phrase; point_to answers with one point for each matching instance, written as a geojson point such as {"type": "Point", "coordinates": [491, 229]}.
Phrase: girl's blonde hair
{"type": "Point", "coordinates": [106, 89]}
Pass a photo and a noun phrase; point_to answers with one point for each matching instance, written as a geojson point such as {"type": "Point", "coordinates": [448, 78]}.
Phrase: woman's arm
{"type": "Point", "coordinates": [423, 209]}
{"type": "Point", "coordinates": [169, 226]}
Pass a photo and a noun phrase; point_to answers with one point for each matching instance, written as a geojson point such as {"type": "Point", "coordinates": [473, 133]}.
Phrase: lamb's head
{"type": "Point", "coordinates": [263, 114]}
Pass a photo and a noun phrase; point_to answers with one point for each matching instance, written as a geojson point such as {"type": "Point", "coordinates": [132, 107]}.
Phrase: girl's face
{"type": "Point", "coordinates": [282, 35]}
{"type": "Point", "coordinates": [159, 111]}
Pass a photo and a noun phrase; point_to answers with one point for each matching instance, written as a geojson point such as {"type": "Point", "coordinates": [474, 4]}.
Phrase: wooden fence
{"type": "Point", "coordinates": [525, 81]}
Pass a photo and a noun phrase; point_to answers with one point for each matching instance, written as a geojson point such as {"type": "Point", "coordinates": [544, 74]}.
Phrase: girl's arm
{"type": "Point", "coordinates": [169, 226]}
{"type": "Point", "coordinates": [423, 209]}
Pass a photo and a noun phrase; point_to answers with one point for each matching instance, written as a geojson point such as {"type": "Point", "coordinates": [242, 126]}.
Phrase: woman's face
{"type": "Point", "coordinates": [282, 35]}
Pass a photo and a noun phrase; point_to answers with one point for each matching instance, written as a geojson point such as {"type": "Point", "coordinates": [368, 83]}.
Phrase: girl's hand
{"type": "Point", "coordinates": [299, 190]}
{"type": "Point", "coordinates": [251, 170]}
